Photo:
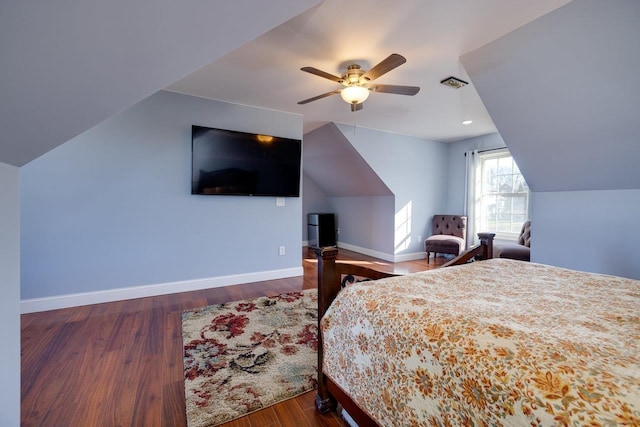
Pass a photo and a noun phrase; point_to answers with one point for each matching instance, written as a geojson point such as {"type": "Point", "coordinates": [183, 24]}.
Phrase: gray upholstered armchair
{"type": "Point", "coordinates": [519, 250]}
{"type": "Point", "coordinates": [449, 235]}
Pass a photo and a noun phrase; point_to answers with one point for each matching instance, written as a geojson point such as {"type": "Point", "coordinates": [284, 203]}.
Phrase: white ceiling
{"type": "Point", "coordinates": [432, 35]}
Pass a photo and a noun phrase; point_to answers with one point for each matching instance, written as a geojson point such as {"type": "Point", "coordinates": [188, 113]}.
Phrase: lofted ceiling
{"type": "Point", "coordinates": [67, 65]}
{"type": "Point", "coordinates": [432, 35]}
{"type": "Point", "coordinates": [350, 174]}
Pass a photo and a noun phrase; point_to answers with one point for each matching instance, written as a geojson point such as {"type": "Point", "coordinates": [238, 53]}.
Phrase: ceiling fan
{"type": "Point", "coordinates": [357, 83]}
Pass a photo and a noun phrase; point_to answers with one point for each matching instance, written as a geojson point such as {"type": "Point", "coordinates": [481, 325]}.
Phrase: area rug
{"type": "Point", "coordinates": [243, 356]}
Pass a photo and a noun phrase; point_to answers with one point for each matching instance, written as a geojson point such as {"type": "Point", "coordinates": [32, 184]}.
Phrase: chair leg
{"type": "Point", "coordinates": [428, 253]}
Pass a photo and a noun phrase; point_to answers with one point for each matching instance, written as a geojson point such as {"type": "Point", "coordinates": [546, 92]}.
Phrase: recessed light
{"type": "Point", "coordinates": [467, 122]}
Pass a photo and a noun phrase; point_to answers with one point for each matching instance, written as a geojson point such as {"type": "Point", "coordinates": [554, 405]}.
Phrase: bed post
{"type": "Point", "coordinates": [328, 288]}
{"type": "Point", "coordinates": [484, 250]}
{"type": "Point", "coordinates": [486, 240]}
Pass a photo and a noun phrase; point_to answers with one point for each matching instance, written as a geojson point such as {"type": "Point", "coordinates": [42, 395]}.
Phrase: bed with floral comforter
{"type": "Point", "coordinates": [496, 343]}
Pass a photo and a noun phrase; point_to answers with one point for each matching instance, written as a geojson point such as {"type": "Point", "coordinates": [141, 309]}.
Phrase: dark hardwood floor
{"type": "Point", "coordinates": [120, 363]}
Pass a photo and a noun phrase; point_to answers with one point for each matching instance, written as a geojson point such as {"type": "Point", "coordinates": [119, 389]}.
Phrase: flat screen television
{"type": "Point", "coordinates": [226, 162]}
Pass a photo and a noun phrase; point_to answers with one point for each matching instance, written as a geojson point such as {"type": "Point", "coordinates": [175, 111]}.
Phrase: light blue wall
{"type": "Point", "coordinates": [112, 208]}
{"type": "Point", "coordinates": [576, 144]}
{"type": "Point", "coordinates": [313, 200]}
{"type": "Point", "coordinates": [10, 301]}
{"type": "Point", "coordinates": [366, 222]}
{"type": "Point", "coordinates": [415, 170]}
{"type": "Point", "coordinates": [587, 230]}
{"type": "Point", "coordinates": [363, 221]}
{"type": "Point", "coordinates": [583, 230]}
{"type": "Point", "coordinates": [339, 180]}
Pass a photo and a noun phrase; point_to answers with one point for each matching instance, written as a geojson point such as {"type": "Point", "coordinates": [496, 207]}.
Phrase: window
{"type": "Point", "coordinates": [503, 203]}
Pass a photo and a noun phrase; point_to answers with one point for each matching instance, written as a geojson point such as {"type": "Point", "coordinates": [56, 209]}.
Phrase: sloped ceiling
{"type": "Point", "coordinates": [69, 64]}
{"type": "Point", "coordinates": [563, 94]}
{"type": "Point", "coordinates": [430, 34]}
{"type": "Point", "coordinates": [332, 162]}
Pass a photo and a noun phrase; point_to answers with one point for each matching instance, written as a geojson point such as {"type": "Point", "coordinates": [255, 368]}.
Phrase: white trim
{"type": "Point", "coordinates": [33, 305]}
{"type": "Point", "coordinates": [383, 255]}
{"type": "Point", "coordinates": [347, 418]}
{"type": "Point", "coordinates": [365, 251]}
{"type": "Point", "coordinates": [410, 256]}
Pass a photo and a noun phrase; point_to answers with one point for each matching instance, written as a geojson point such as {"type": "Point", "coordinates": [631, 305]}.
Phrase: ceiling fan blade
{"type": "Point", "coordinates": [400, 90]}
{"type": "Point", "coordinates": [324, 95]}
{"type": "Point", "coordinates": [392, 61]}
{"type": "Point", "coordinates": [321, 73]}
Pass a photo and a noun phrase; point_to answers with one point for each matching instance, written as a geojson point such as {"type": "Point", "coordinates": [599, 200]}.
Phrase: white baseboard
{"type": "Point", "coordinates": [33, 305]}
{"type": "Point", "coordinates": [347, 418]}
{"type": "Point", "coordinates": [411, 256]}
{"type": "Point", "coordinates": [365, 251]}
{"type": "Point", "coordinates": [383, 255]}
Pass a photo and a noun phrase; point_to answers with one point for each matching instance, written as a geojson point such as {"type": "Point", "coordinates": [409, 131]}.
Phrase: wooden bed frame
{"type": "Point", "coordinates": [332, 277]}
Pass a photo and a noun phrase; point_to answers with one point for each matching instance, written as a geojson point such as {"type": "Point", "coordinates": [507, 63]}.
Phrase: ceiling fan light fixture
{"type": "Point", "coordinates": [354, 94]}
{"type": "Point", "coordinates": [355, 82]}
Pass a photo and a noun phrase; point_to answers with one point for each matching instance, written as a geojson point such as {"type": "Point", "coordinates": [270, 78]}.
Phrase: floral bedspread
{"type": "Point", "coordinates": [491, 343]}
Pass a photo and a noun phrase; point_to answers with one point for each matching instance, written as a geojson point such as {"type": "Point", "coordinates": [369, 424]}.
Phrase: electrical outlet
{"type": "Point", "coordinates": [280, 201]}
{"type": "Point", "coordinates": [281, 250]}
{"type": "Point", "coordinates": [337, 230]}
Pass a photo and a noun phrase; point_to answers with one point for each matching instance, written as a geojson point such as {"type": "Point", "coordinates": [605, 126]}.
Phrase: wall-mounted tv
{"type": "Point", "coordinates": [225, 162]}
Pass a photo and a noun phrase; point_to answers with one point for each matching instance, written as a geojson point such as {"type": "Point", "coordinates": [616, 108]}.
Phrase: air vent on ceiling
{"type": "Point", "coordinates": [454, 82]}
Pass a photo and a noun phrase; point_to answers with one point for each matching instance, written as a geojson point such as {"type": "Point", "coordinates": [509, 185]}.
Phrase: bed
{"type": "Point", "coordinates": [496, 342]}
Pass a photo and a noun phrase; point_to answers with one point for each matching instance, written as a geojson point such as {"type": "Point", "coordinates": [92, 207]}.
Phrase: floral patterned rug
{"type": "Point", "coordinates": [243, 356]}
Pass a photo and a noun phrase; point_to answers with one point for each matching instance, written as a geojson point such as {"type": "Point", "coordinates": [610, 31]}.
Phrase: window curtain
{"type": "Point", "coordinates": [472, 160]}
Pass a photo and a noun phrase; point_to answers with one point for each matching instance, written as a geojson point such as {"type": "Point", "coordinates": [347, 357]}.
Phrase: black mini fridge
{"type": "Point", "coordinates": [321, 229]}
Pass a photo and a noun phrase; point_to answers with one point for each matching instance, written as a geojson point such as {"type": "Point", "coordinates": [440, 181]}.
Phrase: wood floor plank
{"type": "Point", "coordinates": [240, 422]}
{"type": "Point", "coordinates": [307, 405]}
{"type": "Point", "coordinates": [126, 375]}
{"type": "Point", "coordinates": [290, 414]}
{"type": "Point", "coordinates": [121, 363]}
{"type": "Point", "coordinates": [50, 389]}
{"type": "Point", "coordinates": [265, 417]}
{"type": "Point", "coordinates": [94, 405]}
{"type": "Point", "coordinates": [173, 349]}
{"type": "Point", "coordinates": [147, 408]}
{"type": "Point", "coordinates": [173, 405]}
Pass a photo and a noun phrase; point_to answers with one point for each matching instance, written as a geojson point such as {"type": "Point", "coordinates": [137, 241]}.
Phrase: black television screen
{"type": "Point", "coordinates": [225, 162]}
